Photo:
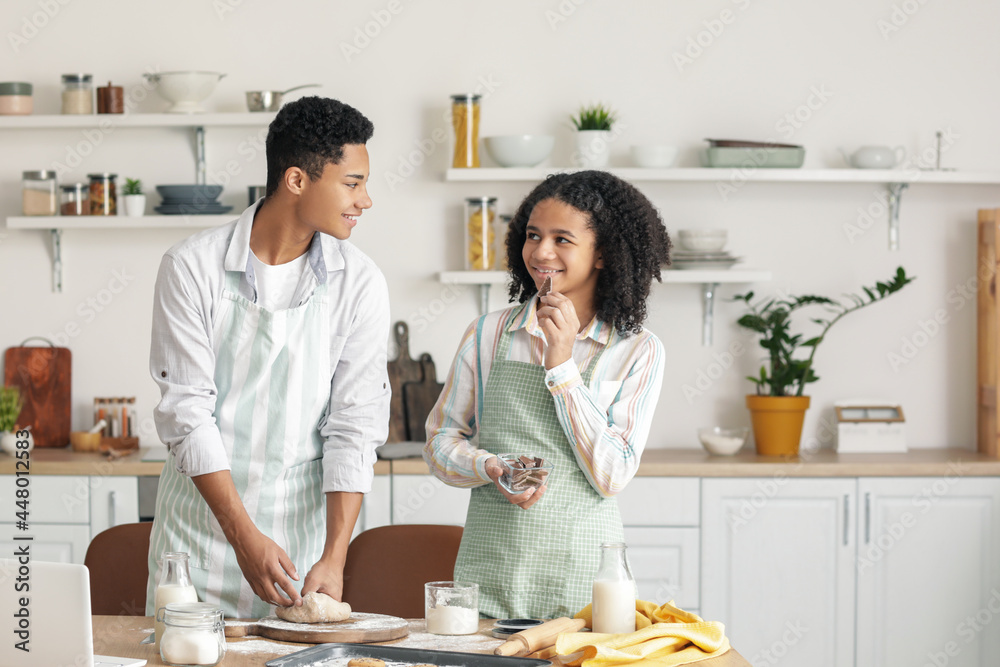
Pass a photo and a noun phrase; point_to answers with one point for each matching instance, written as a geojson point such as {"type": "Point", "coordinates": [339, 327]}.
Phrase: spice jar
{"type": "Point", "coordinates": [193, 634]}
{"type": "Point", "coordinates": [110, 99]}
{"type": "Point", "coordinates": [77, 94]}
{"type": "Point", "coordinates": [75, 200]}
{"type": "Point", "coordinates": [38, 192]}
{"type": "Point", "coordinates": [103, 194]}
{"type": "Point", "coordinates": [480, 233]}
{"type": "Point", "coordinates": [465, 120]}
{"type": "Point", "coordinates": [16, 99]}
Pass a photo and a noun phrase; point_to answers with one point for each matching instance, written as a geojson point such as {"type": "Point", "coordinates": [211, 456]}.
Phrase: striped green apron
{"type": "Point", "coordinates": [272, 394]}
{"type": "Point", "coordinates": [540, 562]}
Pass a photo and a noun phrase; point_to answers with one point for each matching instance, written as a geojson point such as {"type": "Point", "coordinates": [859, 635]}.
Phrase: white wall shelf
{"type": "Point", "coordinates": [895, 180]}
{"type": "Point", "coordinates": [246, 119]}
{"type": "Point", "coordinates": [108, 123]}
{"type": "Point", "coordinates": [709, 281]}
{"type": "Point", "coordinates": [56, 224]}
{"type": "Point", "coordinates": [710, 175]}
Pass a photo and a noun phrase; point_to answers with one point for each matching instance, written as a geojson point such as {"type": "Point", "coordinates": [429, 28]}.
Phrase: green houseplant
{"type": "Point", "coordinates": [778, 406]}
{"type": "Point", "coordinates": [10, 410]}
{"type": "Point", "coordinates": [593, 126]}
{"type": "Point", "coordinates": [135, 200]}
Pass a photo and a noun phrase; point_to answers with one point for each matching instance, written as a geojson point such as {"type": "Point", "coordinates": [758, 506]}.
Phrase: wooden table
{"type": "Point", "coordinates": [120, 636]}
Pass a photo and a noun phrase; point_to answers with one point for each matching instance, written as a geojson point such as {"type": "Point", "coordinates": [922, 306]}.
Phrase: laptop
{"type": "Point", "coordinates": [48, 612]}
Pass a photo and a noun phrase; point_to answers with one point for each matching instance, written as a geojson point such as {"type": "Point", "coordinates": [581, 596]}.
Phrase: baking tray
{"type": "Point", "coordinates": [765, 158]}
{"type": "Point", "coordinates": [397, 654]}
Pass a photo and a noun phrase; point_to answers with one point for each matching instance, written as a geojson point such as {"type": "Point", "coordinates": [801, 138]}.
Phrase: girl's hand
{"type": "Point", "coordinates": [522, 500]}
{"type": "Point", "coordinates": [557, 318]}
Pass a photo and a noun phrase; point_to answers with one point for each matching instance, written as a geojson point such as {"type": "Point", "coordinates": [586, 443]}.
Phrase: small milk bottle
{"type": "Point", "coordinates": [614, 592]}
{"type": "Point", "coordinates": [174, 586]}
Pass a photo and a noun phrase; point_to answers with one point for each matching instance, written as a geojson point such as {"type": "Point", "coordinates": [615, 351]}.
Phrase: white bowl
{"type": "Point", "coordinates": [519, 150]}
{"type": "Point", "coordinates": [185, 89]}
{"type": "Point", "coordinates": [723, 441]}
{"type": "Point", "coordinates": [653, 156]}
{"type": "Point", "coordinates": [702, 240]}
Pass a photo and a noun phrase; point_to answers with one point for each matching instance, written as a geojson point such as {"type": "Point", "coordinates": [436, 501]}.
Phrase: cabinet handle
{"type": "Point", "coordinates": [847, 518]}
{"type": "Point", "coordinates": [868, 518]}
{"type": "Point", "coordinates": [111, 509]}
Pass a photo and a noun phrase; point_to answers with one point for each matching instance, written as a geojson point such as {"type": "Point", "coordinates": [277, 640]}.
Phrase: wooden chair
{"type": "Point", "coordinates": [116, 559]}
{"type": "Point", "coordinates": [387, 567]}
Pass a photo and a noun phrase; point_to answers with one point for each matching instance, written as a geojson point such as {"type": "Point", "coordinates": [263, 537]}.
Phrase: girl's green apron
{"type": "Point", "coordinates": [539, 562]}
{"type": "Point", "coordinates": [272, 395]}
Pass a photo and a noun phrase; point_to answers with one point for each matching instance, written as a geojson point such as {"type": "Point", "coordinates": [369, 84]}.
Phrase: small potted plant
{"type": "Point", "coordinates": [10, 410]}
{"type": "Point", "coordinates": [777, 409]}
{"type": "Point", "coordinates": [135, 200]}
{"type": "Point", "coordinates": [593, 126]}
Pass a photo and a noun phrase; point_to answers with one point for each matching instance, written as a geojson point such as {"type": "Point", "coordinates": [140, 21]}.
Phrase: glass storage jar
{"type": "Point", "coordinates": [75, 200]}
{"type": "Point", "coordinates": [614, 591]}
{"type": "Point", "coordinates": [16, 99]}
{"type": "Point", "coordinates": [465, 120]}
{"type": "Point", "coordinates": [77, 94]}
{"type": "Point", "coordinates": [193, 634]}
{"type": "Point", "coordinates": [480, 233]}
{"type": "Point", "coordinates": [103, 194]}
{"type": "Point", "coordinates": [38, 192]}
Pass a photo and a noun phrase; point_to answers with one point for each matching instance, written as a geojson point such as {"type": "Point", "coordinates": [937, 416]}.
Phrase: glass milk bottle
{"type": "Point", "coordinates": [614, 592]}
{"type": "Point", "coordinates": [174, 586]}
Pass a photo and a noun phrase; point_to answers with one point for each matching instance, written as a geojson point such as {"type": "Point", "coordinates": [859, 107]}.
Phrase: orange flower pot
{"type": "Point", "coordinates": [777, 423]}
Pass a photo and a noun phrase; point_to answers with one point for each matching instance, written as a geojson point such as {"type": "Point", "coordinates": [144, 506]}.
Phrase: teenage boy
{"type": "Point", "coordinates": [269, 348]}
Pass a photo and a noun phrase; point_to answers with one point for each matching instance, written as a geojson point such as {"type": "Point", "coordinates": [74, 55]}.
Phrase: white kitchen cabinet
{"type": "Point", "coordinates": [928, 571]}
{"type": "Point", "coordinates": [53, 542]}
{"type": "Point", "coordinates": [661, 517]}
{"type": "Point", "coordinates": [114, 501]}
{"type": "Point", "coordinates": [778, 567]}
{"type": "Point", "coordinates": [376, 508]}
{"type": "Point", "coordinates": [58, 516]}
{"type": "Point", "coordinates": [426, 499]}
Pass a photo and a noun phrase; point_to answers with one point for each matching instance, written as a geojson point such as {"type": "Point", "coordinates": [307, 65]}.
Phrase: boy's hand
{"type": "Point", "coordinates": [324, 577]}
{"type": "Point", "coordinates": [267, 569]}
{"type": "Point", "coordinates": [557, 318]}
{"type": "Point", "coordinates": [523, 500]}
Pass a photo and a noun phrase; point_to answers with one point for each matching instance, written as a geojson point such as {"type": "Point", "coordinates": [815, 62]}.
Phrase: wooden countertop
{"type": "Point", "coordinates": [825, 463]}
{"type": "Point", "coordinates": [120, 636]}
{"type": "Point", "coordinates": [64, 461]}
{"type": "Point", "coordinates": [655, 463]}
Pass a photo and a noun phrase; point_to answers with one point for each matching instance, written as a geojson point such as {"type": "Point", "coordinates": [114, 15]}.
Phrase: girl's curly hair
{"type": "Point", "coordinates": [629, 234]}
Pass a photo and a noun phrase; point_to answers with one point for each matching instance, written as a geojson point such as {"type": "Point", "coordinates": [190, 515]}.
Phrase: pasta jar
{"type": "Point", "coordinates": [16, 99]}
{"type": "Point", "coordinates": [193, 634]}
{"type": "Point", "coordinates": [77, 94]}
{"type": "Point", "coordinates": [103, 194]}
{"type": "Point", "coordinates": [465, 120]}
{"type": "Point", "coordinates": [75, 200]}
{"type": "Point", "coordinates": [38, 192]}
{"type": "Point", "coordinates": [480, 233]}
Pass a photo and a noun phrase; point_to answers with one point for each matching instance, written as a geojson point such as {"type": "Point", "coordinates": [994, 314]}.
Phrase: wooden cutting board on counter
{"type": "Point", "coordinates": [988, 334]}
{"type": "Point", "coordinates": [402, 369]}
{"type": "Point", "coordinates": [360, 628]}
{"type": "Point", "coordinates": [44, 376]}
{"type": "Point", "coordinates": [420, 398]}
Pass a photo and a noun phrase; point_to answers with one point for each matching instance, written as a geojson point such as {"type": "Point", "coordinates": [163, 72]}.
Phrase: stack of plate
{"type": "Point", "coordinates": [191, 200]}
{"type": "Point", "coordinates": [691, 260]}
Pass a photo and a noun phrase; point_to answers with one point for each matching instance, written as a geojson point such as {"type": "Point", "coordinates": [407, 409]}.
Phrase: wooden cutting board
{"type": "Point", "coordinates": [420, 398]}
{"type": "Point", "coordinates": [988, 334]}
{"type": "Point", "coordinates": [402, 369]}
{"type": "Point", "coordinates": [360, 628]}
{"type": "Point", "coordinates": [44, 376]}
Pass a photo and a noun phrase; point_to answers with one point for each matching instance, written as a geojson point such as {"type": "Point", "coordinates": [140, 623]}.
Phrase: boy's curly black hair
{"type": "Point", "coordinates": [629, 234]}
{"type": "Point", "coordinates": [310, 133]}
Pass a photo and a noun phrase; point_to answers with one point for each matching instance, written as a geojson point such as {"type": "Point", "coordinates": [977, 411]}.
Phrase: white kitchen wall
{"type": "Point", "coordinates": [875, 72]}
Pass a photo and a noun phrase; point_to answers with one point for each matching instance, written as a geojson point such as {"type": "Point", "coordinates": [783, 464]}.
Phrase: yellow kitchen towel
{"type": "Point", "coordinates": [669, 637]}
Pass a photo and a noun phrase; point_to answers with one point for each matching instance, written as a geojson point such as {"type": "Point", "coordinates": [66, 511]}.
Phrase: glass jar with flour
{"type": "Point", "coordinates": [194, 634]}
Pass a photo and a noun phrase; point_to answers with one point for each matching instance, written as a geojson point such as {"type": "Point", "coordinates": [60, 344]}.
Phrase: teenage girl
{"type": "Point", "coordinates": [571, 377]}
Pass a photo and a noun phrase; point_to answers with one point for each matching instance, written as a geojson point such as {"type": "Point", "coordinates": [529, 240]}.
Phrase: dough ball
{"type": "Point", "coordinates": [316, 608]}
{"type": "Point", "coordinates": [365, 662]}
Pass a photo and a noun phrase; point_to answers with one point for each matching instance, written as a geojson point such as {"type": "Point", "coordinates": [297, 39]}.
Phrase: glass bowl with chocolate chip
{"type": "Point", "coordinates": [523, 471]}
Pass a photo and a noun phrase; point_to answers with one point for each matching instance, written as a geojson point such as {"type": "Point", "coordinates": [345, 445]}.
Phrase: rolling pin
{"type": "Point", "coordinates": [538, 637]}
